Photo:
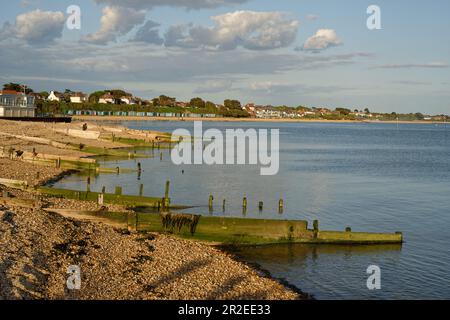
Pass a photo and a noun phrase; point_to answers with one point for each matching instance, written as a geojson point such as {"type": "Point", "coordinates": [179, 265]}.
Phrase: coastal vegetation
{"type": "Point", "coordinates": [123, 101]}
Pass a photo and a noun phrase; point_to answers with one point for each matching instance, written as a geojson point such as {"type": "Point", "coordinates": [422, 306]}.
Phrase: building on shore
{"type": "Point", "coordinates": [54, 96]}
{"type": "Point", "coordinates": [16, 104]}
{"type": "Point", "coordinates": [78, 97]}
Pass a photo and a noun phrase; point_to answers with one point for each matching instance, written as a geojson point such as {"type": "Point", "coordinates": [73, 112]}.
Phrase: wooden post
{"type": "Point", "coordinates": [88, 186]}
{"type": "Point", "coordinates": [103, 189]}
{"type": "Point", "coordinates": [166, 193]}
{"type": "Point", "coordinates": [280, 206]}
{"type": "Point", "coordinates": [141, 190]}
{"type": "Point", "coordinates": [118, 170]}
{"type": "Point", "coordinates": [139, 167]}
{"type": "Point", "coordinates": [223, 205]}
{"type": "Point", "coordinates": [137, 222]}
{"type": "Point", "coordinates": [118, 191]}
{"type": "Point", "coordinates": [210, 202]}
{"type": "Point", "coordinates": [160, 156]}
{"type": "Point", "coordinates": [260, 205]}
{"type": "Point", "coordinates": [315, 228]}
{"type": "Point", "coordinates": [101, 198]}
{"type": "Point", "coordinates": [166, 200]}
{"type": "Point", "coordinates": [244, 205]}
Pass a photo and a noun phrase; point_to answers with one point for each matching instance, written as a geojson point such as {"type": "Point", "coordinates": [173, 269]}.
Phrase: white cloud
{"type": "Point", "coordinates": [249, 29]}
{"type": "Point", "coordinates": [188, 4]}
{"type": "Point", "coordinates": [269, 87]}
{"type": "Point", "coordinates": [312, 17]}
{"type": "Point", "coordinates": [323, 39]}
{"type": "Point", "coordinates": [214, 86]}
{"type": "Point", "coordinates": [36, 27]}
{"type": "Point", "coordinates": [431, 65]}
{"type": "Point", "coordinates": [115, 22]}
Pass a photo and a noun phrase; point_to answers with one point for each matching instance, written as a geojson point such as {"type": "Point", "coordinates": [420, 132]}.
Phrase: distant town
{"type": "Point", "coordinates": [17, 100]}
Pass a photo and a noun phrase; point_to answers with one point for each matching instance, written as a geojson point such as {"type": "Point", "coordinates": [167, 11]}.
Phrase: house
{"type": "Point", "coordinates": [107, 98]}
{"type": "Point", "coordinates": [267, 112]}
{"type": "Point", "coordinates": [54, 96]}
{"type": "Point", "coordinates": [78, 97]}
{"type": "Point", "coordinates": [127, 100]}
{"type": "Point", "coordinates": [16, 104]}
{"type": "Point", "coordinates": [181, 104]}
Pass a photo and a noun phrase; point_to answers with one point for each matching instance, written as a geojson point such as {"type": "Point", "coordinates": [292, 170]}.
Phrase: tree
{"type": "Point", "coordinates": [366, 110]}
{"type": "Point", "coordinates": [44, 94]}
{"type": "Point", "coordinates": [343, 111]}
{"type": "Point", "coordinates": [210, 106]}
{"type": "Point", "coordinates": [95, 96]}
{"type": "Point", "coordinates": [303, 109]}
{"type": "Point", "coordinates": [164, 101]}
{"type": "Point", "coordinates": [232, 104]}
{"type": "Point", "coordinates": [16, 87]}
{"type": "Point", "coordinates": [197, 103]}
{"type": "Point", "coordinates": [419, 116]}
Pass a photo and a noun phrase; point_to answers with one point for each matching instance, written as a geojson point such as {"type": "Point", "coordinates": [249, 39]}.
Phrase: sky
{"type": "Point", "coordinates": [288, 52]}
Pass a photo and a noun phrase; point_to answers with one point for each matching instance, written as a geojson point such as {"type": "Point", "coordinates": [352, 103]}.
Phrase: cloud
{"type": "Point", "coordinates": [35, 27]}
{"type": "Point", "coordinates": [431, 65]}
{"type": "Point", "coordinates": [115, 22]}
{"type": "Point", "coordinates": [413, 83]}
{"type": "Point", "coordinates": [188, 4]}
{"type": "Point", "coordinates": [214, 86]}
{"type": "Point", "coordinates": [269, 87]}
{"type": "Point", "coordinates": [312, 17]}
{"type": "Point", "coordinates": [249, 29]}
{"type": "Point", "coordinates": [323, 39]}
{"type": "Point", "coordinates": [149, 33]}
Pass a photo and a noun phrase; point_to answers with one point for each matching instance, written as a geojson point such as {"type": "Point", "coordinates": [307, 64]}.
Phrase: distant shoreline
{"type": "Point", "coordinates": [136, 118]}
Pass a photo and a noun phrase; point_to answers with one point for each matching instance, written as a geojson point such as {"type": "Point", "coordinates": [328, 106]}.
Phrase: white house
{"type": "Point", "coordinates": [127, 100]}
{"type": "Point", "coordinates": [54, 96]}
{"type": "Point", "coordinates": [16, 104]}
{"type": "Point", "coordinates": [78, 97]}
{"type": "Point", "coordinates": [107, 99]}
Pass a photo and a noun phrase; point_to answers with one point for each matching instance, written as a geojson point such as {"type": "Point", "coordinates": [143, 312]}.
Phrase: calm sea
{"type": "Point", "coordinates": [371, 177]}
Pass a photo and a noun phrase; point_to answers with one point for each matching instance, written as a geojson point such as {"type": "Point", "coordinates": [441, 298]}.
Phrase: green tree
{"type": "Point", "coordinates": [210, 107]}
{"type": "Point", "coordinates": [95, 96]}
{"type": "Point", "coordinates": [164, 101]}
{"type": "Point", "coordinates": [16, 87]}
{"type": "Point", "coordinates": [343, 111]}
{"type": "Point", "coordinates": [232, 104]}
{"type": "Point", "coordinates": [197, 103]}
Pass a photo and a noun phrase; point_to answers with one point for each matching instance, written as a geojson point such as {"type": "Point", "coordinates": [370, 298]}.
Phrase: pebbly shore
{"type": "Point", "coordinates": [37, 247]}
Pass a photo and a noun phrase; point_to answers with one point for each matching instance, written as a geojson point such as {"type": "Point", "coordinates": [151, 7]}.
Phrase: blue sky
{"type": "Point", "coordinates": [303, 52]}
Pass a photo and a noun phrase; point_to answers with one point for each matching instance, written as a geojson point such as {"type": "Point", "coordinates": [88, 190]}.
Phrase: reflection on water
{"type": "Point", "coordinates": [371, 177]}
{"type": "Point", "coordinates": [328, 271]}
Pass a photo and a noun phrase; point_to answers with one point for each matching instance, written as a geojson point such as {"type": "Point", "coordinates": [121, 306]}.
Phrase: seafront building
{"type": "Point", "coordinates": [16, 104]}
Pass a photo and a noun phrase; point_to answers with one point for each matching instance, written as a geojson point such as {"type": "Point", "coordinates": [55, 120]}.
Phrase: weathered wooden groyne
{"type": "Point", "coordinates": [231, 230]}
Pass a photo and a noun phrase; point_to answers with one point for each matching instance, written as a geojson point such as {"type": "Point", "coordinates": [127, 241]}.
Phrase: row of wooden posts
{"type": "Point", "coordinates": [244, 204]}
{"type": "Point", "coordinates": [165, 203]}
{"type": "Point", "coordinates": [162, 205]}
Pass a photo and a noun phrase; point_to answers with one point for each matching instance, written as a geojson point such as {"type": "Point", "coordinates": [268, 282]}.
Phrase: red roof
{"type": "Point", "coordinates": [10, 92]}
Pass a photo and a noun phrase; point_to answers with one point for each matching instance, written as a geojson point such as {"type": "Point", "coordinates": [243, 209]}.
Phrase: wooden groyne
{"type": "Point", "coordinates": [228, 230]}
